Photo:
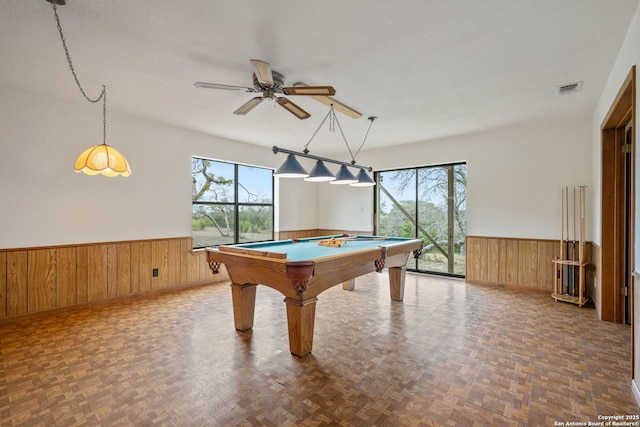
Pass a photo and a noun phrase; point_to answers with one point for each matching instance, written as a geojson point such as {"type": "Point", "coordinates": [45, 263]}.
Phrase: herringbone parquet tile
{"type": "Point", "coordinates": [451, 354]}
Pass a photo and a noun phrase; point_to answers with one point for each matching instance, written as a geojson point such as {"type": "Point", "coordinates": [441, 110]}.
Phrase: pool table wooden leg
{"type": "Point", "coordinates": [396, 282]}
{"type": "Point", "coordinates": [244, 303]}
{"type": "Point", "coordinates": [349, 285]}
{"type": "Point", "coordinates": [301, 317]}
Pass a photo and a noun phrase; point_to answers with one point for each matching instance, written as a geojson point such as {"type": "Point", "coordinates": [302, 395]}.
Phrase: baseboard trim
{"type": "Point", "coordinates": [506, 286]}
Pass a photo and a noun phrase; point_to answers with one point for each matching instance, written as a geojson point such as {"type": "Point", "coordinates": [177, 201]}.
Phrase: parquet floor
{"type": "Point", "coordinates": [451, 354]}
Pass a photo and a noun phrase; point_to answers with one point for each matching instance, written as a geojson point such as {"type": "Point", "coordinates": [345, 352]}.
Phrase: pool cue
{"type": "Point", "coordinates": [353, 239]}
{"type": "Point", "coordinates": [559, 274]}
{"type": "Point", "coordinates": [582, 208]}
{"type": "Point", "coordinates": [336, 242]}
{"type": "Point", "coordinates": [566, 243]}
{"type": "Point", "coordinates": [348, 238]}
{"type": "Point", "coordinates": [327, 238]}
{"type": "Point", "coordinates": [573, 249]}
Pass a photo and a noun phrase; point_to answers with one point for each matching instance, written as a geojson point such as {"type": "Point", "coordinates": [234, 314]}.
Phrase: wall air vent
{"type": "Point", "coordinates": [568, 88]}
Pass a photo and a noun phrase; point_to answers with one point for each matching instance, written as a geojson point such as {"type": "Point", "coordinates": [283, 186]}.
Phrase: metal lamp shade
{"type": "Point", "coordinates": [364, 180]}
{"type": "Point", "coordinates": [291, 168]}
{"type": "Point", "coordinates": [344, 176]}
{"type": "Point", "coordinates": [320, 173]}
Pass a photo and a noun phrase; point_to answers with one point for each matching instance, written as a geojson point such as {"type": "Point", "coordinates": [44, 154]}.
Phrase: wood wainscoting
{"type": "Point", "coordinates": [521, 263]}
{"type": "Point", "coordinates": [36, 280]}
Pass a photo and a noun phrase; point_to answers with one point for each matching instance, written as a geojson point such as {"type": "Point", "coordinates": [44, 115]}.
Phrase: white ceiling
{"type": "Point", "coordinates": [426, 68]}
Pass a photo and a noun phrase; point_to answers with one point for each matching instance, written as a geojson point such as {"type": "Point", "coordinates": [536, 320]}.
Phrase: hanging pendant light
{"type": "Point", "coordinates": [291, 168]}
{"type": "Point", "coordinates": [344, 176]}
{"type": "Point", "coordinates": [320, 173]}
{"type": "Point", "coordinates": [364, 180]}
{"type": "Point", "coordinates": [100, 159]}
{"type": "Point", "coordinates": [103, 159]}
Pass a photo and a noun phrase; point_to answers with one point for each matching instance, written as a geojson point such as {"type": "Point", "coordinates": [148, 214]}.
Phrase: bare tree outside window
{"type": "Point", "coordinates": [428, 203]}
{"type": "Point", "coordinates": [231, 203]}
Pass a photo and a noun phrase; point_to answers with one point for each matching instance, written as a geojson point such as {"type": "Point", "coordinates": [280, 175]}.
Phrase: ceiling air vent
{"type": "Point", "coordinates": [568, 88]}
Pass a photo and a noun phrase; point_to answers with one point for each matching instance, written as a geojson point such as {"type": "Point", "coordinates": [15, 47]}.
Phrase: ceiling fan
{"type": "Point", "coordinates": [271, 83]}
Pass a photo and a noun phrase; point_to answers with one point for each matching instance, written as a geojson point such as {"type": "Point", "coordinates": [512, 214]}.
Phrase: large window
{"type": "Point", "coordinates": [231, 203]}
{"type": "Point", "coordinates": [428, 203]}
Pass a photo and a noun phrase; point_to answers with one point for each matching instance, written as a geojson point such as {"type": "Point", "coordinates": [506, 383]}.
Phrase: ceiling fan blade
{"type": "Point", "coordinates": [249, 105]}
{"type": "Point", "coordinates": [293, 108]}
{"type": "Point", "coordinates": [224, 87]}
{"type": "Point", "coordinates": [263, 72]}
{"type": "Point", "coordinates": [309, 90]}
{"type": "Point", "coordinates": [337, 105]}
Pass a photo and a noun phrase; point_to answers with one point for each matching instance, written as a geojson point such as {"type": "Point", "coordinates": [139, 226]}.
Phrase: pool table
{"type": "Point", "coordinates": [301, 269]}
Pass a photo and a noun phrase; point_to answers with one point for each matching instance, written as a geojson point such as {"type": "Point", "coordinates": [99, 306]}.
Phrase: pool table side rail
{"type": "Point", "coordinates": [392, 248]}
{"type": "Point", "coordinates": [327, 272]}
{"type": "Point", "coordinates": [252, 252]}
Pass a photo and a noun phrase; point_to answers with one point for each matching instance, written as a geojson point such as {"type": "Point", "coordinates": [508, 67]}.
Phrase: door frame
{"type": "Point", "coordinates": [622, 110]}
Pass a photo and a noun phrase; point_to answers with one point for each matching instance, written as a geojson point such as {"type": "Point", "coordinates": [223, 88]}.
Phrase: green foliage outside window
{"type": "Point", "coordinates": [428, 203]}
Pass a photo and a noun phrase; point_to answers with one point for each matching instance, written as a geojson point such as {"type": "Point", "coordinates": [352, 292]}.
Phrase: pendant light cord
{"type": "Point", "coordinates": [306, 149]}
{"type": "Point", "coordinates": [333, 120]}
{"type": "Point", "coordinates": [371, 119]}
{"type": "Point", "coordinates": [103, 94]}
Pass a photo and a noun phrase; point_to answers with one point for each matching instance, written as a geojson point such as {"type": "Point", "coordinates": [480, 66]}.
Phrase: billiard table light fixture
{"type": "Point", "coordinates": [291, 168]}
{"type": "Point", "coordinates": [320, 173]}
{"type": "Point", "coordinates": [364, 180]}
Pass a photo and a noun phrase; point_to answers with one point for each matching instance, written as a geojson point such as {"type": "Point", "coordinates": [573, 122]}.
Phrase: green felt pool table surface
{"type": "Point", "coordinates": [309, 248]}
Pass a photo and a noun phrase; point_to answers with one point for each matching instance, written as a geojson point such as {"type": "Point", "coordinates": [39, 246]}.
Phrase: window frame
{"type": "Point", "coordinates": [376, 206]}
{"type": "Point", "coordinates": [236, 204]}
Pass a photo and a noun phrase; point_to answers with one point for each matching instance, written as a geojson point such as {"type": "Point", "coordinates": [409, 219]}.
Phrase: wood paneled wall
{"type": "Point", "coordinates": [524, 263]}
{"type": "Point", "coordinates": [34, 280]}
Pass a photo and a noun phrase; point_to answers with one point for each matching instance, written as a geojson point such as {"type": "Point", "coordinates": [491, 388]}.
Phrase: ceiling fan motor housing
{"type": "Point", "coordinates": [278, 82]}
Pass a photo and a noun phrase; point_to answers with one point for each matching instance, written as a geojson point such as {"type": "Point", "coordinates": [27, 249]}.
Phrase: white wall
{"type": "Point", "coordinates": [344, 207]}
{"type": "Point", "coordinates": [628, 56]}
{"type": "Point", "coordinates": [44, 202]}
{"type": "Point", "coordinates": [297, 201]}
{"type": "Point", "coordinates": [514, 175]}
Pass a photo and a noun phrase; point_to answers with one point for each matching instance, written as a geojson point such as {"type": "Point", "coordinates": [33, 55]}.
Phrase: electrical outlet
{"type": "Point", "coordinates": [155, 272]}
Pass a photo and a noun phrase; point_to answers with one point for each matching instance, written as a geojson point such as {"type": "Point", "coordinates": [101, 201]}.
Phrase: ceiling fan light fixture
{"type": "Point", "coordinates": [344, 176]}
{"type": "Point", "coordinates": [291, 168]}
{"type": "Point", "coordinates": [320, 173]}
{"type": "Point", "coordinates": [271, 83]}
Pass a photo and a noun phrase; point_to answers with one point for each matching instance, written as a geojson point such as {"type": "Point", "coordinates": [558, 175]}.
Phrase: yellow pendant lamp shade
{"type": "Point", "coordinates": [102, 159]}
